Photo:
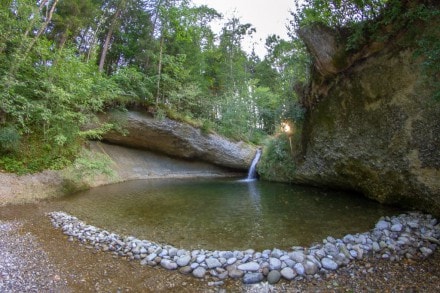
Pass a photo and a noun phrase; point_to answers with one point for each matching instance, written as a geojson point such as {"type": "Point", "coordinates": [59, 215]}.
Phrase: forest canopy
{"type": "Point", "coordinates": [62, 62]}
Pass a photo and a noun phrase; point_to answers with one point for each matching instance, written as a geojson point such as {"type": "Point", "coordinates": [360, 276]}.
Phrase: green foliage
{"type": "Point", "coordinates": [135, 86]}
{"type": "Point", "coordinates": [361, 22]}
{"type": "Point", "coordinates": [428, 47]}
{"type": "Point", "coordinates": [89, 164]}
{"type": "Point", "coordinates": [9, 139]}
{"type": "Point", "coordinates": [34, 154]}
{"type": "Point", "coordinates": [277, 163]}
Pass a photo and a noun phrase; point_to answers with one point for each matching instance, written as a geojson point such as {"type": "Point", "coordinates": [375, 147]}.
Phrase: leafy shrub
{"type": "Point", "coordinates": [277, 163]}
{"type": "Point", "coordinates": [9, 139]}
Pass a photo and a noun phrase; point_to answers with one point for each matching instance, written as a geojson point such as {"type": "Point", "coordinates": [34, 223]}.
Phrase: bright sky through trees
{"type": "Point", "coordinates": [268, 17]}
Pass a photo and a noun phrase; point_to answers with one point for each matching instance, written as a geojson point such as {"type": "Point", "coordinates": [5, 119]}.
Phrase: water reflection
{"type": "Point", "coordinates": [223, 214]}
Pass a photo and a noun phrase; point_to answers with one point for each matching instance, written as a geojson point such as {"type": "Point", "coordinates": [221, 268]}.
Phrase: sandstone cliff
{"type": "Point", "coordinates": [372, 124]}
{"type": "Point", "coordinates": [180, 140]}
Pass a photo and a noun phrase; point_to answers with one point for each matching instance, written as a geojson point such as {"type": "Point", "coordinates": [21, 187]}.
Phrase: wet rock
{"type": "Point", "coordinates": [250, 266]}
{"type": "Point", "coordinates": [299, 268]}
{"type": "Point", "coordinates": [252, 278]}
{"type": "Point", "coordinates": [183, 260]}
{"type": "Point", "coordinates": [185, 270]}
{"type": "Point", "coordinates": [329, 264]}
{"type": "Point", "coordinates": [274, 263]}
{"type": "Point", "coordinates": [396, 227]}
{"type": "Point", "coordinates": [288, 273]}
{"type": "Point", "coordinates": [297, 256]}
{"type": "Point", "coordinates": [273, 277]}
{"type": "Point", "coordinates": [213, 263]}
{"type": "Point", "coordinates": [236, 274]}
{"type": "Point", "coordinates": [382, 225]}
{"type": "Point", "coordinates": [168, 264]}
{"type": "Point", "coordinates": [310, 268]}
{"type": "Point", "coordinates": [199, 272]}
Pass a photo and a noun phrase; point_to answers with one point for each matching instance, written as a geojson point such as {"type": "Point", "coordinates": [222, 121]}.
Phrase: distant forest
{"type": "Point", "coordinates": [62, 62]}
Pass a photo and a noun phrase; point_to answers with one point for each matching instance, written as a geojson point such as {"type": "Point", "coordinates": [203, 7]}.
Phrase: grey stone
{"type": "Point", "coordinates": [252, 278]}
{"type": "Point", "coordinates": [297, 256]}
{"type": "Point", "coordinates": [329, 264]}
{"type": "Point", "coordinates": [288, 273]}
{"type": "Point", "coordinates": [151, 257]}
{"type": "Point", "coordinates": [185, 270]}
{"type": "Point", "coordinates": [213, 263]}
{"type": "Point", "coordinates": [201, 258]}
{"type": "Point", "coordinates": [289, 263]}
{"type": "Point", "coordinates": [273, 277]}
{"type": "Point", "coordinates": [310, 268]}
{"type": "Point", "coordinates": [396, 227]}
{"type": "Point", "coordinates": [172, 252]}
{"type": "Point", "coordinates": [376, 246]}
{"type": "Point", "coordinates": [299, 268]}
{"type": "Point", "coordinates": [168, 264]}
{"type": "Point", "coordinates": [274, 263]}
{"type": "Point", "coordinates": [235, 274]}
{"type": "Point", "coordinates": [382, 225]}
{"type": "Point", "coordinates": [277, 253]}
{"type": "Point", "coordinates": [249, 266]}
{"type": "Point", "coordinates": [183, 260]}
{"type": "Point", "coordinates": [226, 254]}
{"type": "Point", "coordinates": [231, 260]}
{"type": "Point", "coordinates": [199, 272]}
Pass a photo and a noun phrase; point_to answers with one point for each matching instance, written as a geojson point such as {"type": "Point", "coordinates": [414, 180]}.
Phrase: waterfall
{"type": "Point", "coordinates": [252, 174]}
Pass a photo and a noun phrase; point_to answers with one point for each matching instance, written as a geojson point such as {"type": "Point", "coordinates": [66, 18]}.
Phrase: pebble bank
{"type": "Point", "coordinates": [412, 236]}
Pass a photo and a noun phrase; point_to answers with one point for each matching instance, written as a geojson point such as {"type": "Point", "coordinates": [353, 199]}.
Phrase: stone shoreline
{"type": "Point", "coordinates": [410, 236]}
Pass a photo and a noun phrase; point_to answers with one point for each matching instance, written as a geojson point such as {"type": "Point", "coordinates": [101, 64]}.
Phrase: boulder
{"type": "Point", "coordinates": [179, 139]}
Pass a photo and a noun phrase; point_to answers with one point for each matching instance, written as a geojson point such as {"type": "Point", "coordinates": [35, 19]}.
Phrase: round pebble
{"type": "Point", "coordinates": [273, 277]}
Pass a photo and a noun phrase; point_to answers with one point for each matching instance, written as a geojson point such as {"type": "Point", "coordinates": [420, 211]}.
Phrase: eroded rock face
{"type": "Point", "coordinates": [374, 127]}
{"type": "Point", "coordinates": [181, 140]}
{"type": "Point", "coordinates": [324, 45]}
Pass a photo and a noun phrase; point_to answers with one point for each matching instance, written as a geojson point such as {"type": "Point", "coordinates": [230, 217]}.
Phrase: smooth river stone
{"type": "Point", "coordinates": [273, 277]}
{"type": "Point", "coordinates": [297, 256]}
{"type": "Point", "coordinates": [382, 225]}
{"type": "Point", "coordinates": [329, 264]}
{"type": "Point", "coordinates": [288, 273]}
{"type": "Point", "coordinates": [213, 263]}
{"type": "Point", "coordinates": [310, 268]}
{"type": "Point", "coordinates": [249, 266]}
{"type": "Point", "coordinates": [274, 263]}
{"type": "Point", "coordinates": [299, 268]}
{"type": "Point", "coordinates": [168, 264]}
{"type": "Point", "coordinates": [199, 272]}
{"type": "Point", "coordinates": [183, 260]}
{"type": "Point", "coordinates": [252, 278]}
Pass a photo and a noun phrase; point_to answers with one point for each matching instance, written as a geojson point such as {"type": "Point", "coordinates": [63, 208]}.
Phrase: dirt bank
{"type": "Point", "coordinates": [127, 164]}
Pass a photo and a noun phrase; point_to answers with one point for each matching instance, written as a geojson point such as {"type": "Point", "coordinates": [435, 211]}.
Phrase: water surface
{"type": "Point", "coordinates": [224, 214]}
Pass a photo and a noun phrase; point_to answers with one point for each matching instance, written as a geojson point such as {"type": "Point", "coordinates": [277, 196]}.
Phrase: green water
{"type": "Point", "coordinates": [224, 214]}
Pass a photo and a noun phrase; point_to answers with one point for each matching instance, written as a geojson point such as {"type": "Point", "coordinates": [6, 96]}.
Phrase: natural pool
{"type": "Point", "coordinates": [224, 214]}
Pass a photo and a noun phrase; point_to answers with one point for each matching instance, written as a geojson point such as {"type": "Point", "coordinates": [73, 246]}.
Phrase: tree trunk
{"type": "Point", "coordinates": [159, 70]}
{"type": "Point", "coordinates": [110, 34]}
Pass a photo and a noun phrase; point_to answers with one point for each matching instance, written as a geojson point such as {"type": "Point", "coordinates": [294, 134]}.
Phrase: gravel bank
{"type": "Point", "coordinates": [24, 265]}
{"type": "Point", "coordinates": [407, 236]}
{"type": "Point", "coordinates": [32, 247]}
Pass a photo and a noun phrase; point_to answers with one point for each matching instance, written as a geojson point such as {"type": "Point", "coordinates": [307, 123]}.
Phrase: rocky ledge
{"type": "Point", "coordinates": [411, 236]}
{"type": "Point", "coordinates": [178, 140]}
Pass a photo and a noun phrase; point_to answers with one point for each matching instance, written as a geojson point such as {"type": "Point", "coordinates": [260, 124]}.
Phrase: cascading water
{"type": "Point", "coordinates": [252, 174]}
